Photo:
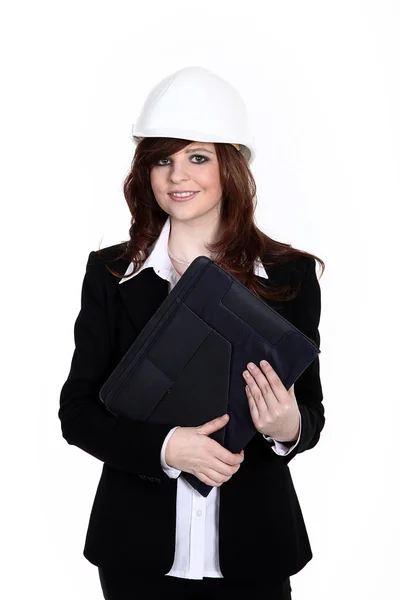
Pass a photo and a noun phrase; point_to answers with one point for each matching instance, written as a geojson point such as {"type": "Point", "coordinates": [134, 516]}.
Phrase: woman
{"type": "Point", "coordinates": [190, 193]}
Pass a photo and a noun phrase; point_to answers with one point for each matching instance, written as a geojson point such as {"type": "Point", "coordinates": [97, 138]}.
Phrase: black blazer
{"type": "Point", "coordinates": [132, 523]}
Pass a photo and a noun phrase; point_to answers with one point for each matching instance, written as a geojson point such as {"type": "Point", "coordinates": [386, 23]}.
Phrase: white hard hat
{"type": "Point", "coordinates": [195, 104]}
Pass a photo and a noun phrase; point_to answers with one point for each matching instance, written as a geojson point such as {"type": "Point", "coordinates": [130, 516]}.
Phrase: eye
{"type": "Point", "coordinates": [204, 159]}
{"type": "Point", "coordinates": [200, 156]}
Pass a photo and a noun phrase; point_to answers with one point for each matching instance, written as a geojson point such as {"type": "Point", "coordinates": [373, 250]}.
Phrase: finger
{"type": "Point", "coordinates": [258, 408]}
{"type": "Point", "coordinates": [224, 455]}
{"type": "Point", "coordinates": [260, 388]}
{"type": "Point", "coordinates": [205, 479]}
{"type": "Point", "coordinates": [222, 468]}
{"type": "Point", "coordinates": [253, 406]}
{"type": "Point", "coordinates": [214, 472]}
{"type": "Point", "coordinates": [275, 383]}
{"type": "Point", "coordinates": [214, 425]}
{"type": "Point", "coordinates": [215, 476]}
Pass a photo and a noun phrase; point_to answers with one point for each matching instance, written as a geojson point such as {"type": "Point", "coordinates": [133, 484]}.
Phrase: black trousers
{"type": "Point", "coordinates": [119, 584]}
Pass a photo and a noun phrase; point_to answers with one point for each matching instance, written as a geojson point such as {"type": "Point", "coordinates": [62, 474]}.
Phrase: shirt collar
{"type": "Point", "coordinates": [159, 260]}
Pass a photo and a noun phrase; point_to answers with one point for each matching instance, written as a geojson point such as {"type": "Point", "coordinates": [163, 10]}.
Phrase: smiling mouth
{"type": "Point", "coordinates": [180, 197]}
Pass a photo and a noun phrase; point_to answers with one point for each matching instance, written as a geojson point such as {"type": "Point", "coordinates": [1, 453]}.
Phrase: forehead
{"type": "Point", "coordinates": [209, 145]}
{"type": "Point", "coordinates": [197, 146]}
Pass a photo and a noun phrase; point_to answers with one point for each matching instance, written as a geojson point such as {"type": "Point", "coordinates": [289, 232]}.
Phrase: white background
{"type": "Point", "coordinates": [321, 81]}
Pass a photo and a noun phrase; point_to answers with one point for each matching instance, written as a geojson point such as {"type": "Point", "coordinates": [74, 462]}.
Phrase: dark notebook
{"type": "Point", "coordinates": [185, 367]}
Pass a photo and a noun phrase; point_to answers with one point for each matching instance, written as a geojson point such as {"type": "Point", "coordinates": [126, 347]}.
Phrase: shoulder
{"type": "Point", "coordinates": [110, 253]}
{"type": "Point", "coordinates": [111, 257]}
{"type": "Point", "coordinates": [295, 281]}
{"type": "Point", "coordinates": [291, 271]}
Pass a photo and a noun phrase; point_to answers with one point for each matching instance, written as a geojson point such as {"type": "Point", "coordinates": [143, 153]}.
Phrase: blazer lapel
{"type": "Point", "coordinates": [142, 295]}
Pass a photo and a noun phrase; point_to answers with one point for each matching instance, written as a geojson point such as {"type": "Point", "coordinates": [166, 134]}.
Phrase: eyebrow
{"type": "Point", "coordinates": [197, 149]}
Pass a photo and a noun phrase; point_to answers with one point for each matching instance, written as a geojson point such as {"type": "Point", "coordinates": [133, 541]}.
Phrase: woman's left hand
{"type": "Point", "coordinates": [273, 408]}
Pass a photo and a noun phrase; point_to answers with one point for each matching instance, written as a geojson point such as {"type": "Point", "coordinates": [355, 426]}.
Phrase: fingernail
{"type": "Point", "coordinates": [264, 363]}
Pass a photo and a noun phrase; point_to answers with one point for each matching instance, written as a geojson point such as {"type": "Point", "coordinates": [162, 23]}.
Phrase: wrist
{"type": "Point", "coordinates": [293, 438]}
{"type": "Point", "coordinates": [169, 449]}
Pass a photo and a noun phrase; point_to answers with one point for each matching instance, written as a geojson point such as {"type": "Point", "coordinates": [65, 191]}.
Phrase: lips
{"type": "Point", "coordinates": [182, 198]}
{"type": "Point", "coordinates": [184, 191]}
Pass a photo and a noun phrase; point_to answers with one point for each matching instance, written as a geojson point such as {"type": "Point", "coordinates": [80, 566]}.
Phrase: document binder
{"type": "Point", "coordinates": [185, 367]}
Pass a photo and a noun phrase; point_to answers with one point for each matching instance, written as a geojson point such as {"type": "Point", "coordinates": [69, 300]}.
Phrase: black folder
{"type": "Point", "coordinates": [185, 367]}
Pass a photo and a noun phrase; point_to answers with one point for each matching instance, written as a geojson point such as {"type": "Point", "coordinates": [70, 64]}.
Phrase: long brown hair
{"type": "Point", "coordinates": [241, 242]}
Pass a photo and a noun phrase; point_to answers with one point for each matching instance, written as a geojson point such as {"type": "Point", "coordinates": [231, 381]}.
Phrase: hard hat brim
{"type": "Point", "coordinates": [246, 148]}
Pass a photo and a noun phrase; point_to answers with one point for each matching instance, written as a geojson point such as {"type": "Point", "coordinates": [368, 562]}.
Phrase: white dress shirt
{"type": "Point", "coordinates": [197, 518]}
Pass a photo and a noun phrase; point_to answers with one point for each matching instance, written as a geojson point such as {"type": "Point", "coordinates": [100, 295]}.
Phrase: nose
{"type": "Point", "coordinates": [178, 171]}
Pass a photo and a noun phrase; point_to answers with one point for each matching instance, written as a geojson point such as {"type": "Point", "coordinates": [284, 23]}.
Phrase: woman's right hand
{"type": "Point", "coordinates": [190, 449]}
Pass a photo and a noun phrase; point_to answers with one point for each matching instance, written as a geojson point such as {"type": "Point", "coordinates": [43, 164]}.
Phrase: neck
{"type": "Point", "coordinates": [188, 239]}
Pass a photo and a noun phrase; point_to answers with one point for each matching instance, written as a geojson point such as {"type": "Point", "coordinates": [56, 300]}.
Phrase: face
{"type": "Point", "coordinates": [194, 169]}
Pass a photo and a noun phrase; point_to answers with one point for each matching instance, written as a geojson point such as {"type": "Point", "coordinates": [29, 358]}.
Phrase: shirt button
{"type": "Point", "coordinates": [199, 513]}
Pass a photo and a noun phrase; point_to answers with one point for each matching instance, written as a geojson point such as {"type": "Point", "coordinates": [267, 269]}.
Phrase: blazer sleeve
{"type": "Point", "coordinates": [123, 443]}
{"type": "Point", "coordinates": [307, 388]}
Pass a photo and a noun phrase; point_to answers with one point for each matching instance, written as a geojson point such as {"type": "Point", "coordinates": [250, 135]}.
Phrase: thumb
{"type": "Point", "coordinates": [213, 425]}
